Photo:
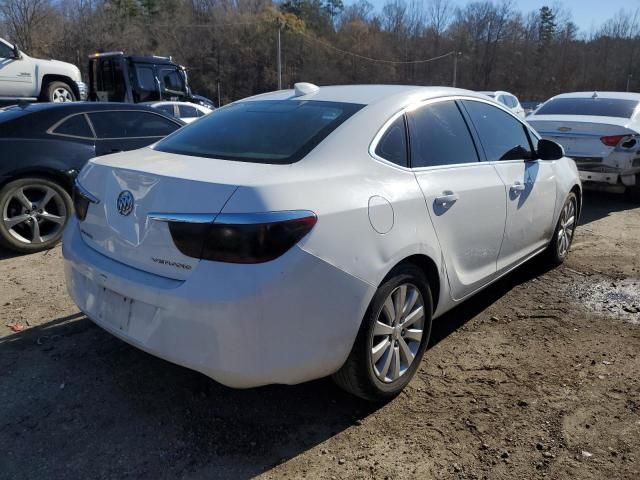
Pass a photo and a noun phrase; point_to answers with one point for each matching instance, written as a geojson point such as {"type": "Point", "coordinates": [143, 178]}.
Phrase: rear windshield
{"type": "Point", "coordinates": [268, 131]}
{"type": "Point", "coordinates": [600, 107]}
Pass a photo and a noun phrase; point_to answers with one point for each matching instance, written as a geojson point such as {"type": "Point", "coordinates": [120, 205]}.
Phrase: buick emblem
{"type": "Point", "coordinates": [125, 203]}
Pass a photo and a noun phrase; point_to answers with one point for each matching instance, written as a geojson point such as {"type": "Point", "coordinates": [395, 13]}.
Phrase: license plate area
{"type": "Point", "coordinates": [113, 309]}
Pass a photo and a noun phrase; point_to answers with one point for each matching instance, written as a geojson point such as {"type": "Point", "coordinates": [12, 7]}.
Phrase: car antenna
{"type": "Point", "coordinates": [595, 95]}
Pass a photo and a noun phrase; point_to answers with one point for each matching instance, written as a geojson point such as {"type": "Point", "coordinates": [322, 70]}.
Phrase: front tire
{"type": "Point", "coordinates": [33, 214]}
{"type": "Point", "coordinates": [59, 92]}
{"type": "Point", "coordinates": [392, 338]}
{"type": "Point", "coordinates": [558, 249]}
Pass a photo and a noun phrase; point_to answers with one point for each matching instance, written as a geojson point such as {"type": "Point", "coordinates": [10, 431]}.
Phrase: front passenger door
{"type": "Point", "coordinates": [464, 197]}
{"type": "Point", "coordinates": [530, 186]}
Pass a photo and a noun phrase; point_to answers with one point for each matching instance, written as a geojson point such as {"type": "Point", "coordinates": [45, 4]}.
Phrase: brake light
{"type": "Point", "coordinates": [612, 140]}
{"type": "Point", "coordinates": [242, 238]}
{"type": "Point", "coordinates": [82, 198]}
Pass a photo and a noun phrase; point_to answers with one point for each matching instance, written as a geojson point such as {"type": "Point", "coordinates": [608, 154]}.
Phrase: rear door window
{"type": "Point", "coordinates": [185, 111]}
{"type": "Point", "coordinates": [599, 107]}
{"type": "Point", "coordinates": [75, 126]}
{"type": "Point", "coordinates": [502, 136]}
{"type": "Point", "coordinates": [168, 109]}
{"type": "Point", "coordinates": [392, 146]}
{"type": "Point", "coordinates": [439, 135]}
{"type": "Point", "coordinates": [267, 131]}
{"type": "Point", "coordinates": [130, 124]}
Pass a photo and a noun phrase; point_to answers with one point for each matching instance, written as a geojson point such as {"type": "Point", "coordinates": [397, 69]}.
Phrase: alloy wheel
{"type": "Point", "coordinates": [566, 227]}
{"type": "Point", "coordinates": [61, 95]}
{"type": "Point", "coordinates": [397, 333]}
{"type": "Point", "coordinates": [34, 214]}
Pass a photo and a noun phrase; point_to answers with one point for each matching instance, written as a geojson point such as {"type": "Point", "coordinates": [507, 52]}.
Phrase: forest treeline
{"type": "Point", "coordinates": [233, 43]}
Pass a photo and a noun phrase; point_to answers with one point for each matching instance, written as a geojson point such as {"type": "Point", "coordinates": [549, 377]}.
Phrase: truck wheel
{"type": "Point", "coordinates": [33, 214]}
{"type": "Point", "coordinates": [59, 92]}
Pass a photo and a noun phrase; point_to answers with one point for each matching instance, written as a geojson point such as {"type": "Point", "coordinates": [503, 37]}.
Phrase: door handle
{"type": "Point", "coordinates": [518, 187]}
{"type": "Point", "coordinates": [447, 198]}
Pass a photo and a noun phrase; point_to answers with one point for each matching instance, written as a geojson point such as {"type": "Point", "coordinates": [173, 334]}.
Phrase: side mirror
{"type": "Point", "coordinates": [548, 150]}
{"type": "Point", "coordinates": [16, 52]}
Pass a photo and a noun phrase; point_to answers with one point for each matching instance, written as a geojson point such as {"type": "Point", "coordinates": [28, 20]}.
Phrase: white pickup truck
{"type": "Point", "coordinates": [25, 78]}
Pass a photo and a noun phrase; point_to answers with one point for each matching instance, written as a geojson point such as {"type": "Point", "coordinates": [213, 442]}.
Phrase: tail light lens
{"type": "Point", "coordinates": [612, 140]}
{"type": "Point", "coordinates": [82, 198]}
{"type": "Point", "coordinates": [242, 238]}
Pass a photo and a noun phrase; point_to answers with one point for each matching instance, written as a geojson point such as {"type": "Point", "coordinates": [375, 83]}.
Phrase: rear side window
{"type": "Point", "coordinates": [268, 131]}
{"type": "Point", "coordinates": [600, 107]}
{"type": "Point", "coordinates": [168, 109]}
{"type": "Point", "coordinates": [502, 136]}
{"type": "Point", "coordinates": [393, 143]}
{"type": "Point", "coordinates": [75, 126]}
{"type": "Point", "coordinates": [187, 112]}
{"type": "Point", "coordinates": [128, 124]}
{"type": "Point", "coordinates": [440, 136]}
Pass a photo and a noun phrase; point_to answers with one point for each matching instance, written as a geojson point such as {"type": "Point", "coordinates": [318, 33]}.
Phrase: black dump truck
{"type": "Point", "coordinates": [116, 77]}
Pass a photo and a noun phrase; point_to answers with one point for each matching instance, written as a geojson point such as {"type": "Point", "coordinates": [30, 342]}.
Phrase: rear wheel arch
{"type": "Point", "coordinates": [577, 190]}
{"type": "Point", "coordinates": [430, 269]}
{"type": "Point", "coordinates": [58, 177]}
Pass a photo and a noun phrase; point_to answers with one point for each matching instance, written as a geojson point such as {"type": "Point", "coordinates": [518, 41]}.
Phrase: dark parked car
{"type": "Point", "coordinates": [42, 149]}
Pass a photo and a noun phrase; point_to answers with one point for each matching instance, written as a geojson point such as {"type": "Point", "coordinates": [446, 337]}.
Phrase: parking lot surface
{"type": "Point", "coordinates": [535, 377]}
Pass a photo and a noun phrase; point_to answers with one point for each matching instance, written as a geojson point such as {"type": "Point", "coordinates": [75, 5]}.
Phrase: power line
{"type": "Point", "coordinates": [378, 60]}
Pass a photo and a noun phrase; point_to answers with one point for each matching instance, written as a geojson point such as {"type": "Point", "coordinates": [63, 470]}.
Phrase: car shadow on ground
{"type": "Point", "coordinates": [76, 399]}
{"type": "Point", "coordinates": [597, 205]}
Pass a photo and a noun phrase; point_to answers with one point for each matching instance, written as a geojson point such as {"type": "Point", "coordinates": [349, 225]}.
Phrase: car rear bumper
{"type": "Point", "coordinates": [287, 321]}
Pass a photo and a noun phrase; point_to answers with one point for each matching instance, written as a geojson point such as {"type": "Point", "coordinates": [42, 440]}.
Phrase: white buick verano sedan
{"type": "Point", "coordinates": [315, 231]}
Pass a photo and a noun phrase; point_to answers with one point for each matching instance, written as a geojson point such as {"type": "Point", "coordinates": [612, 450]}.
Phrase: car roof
{"type": "Point", "coordinates": [598, 94]}
{"type": "Point", "coordinates": [171, 102]}
{"type": "Point", "coordinates": [72, 107]}
{"type": "Point", "coordinates": [366, 94]}
{"type": "Point", "coordinates": [496, 92]}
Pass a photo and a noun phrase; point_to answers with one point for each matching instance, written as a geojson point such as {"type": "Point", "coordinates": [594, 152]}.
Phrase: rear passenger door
{"type": "Point", "coordinates": [464, 197]}
{"type": "Point", "coordinates": [118, 131]}
{"type": "Point", "coordinates": [530, 187]}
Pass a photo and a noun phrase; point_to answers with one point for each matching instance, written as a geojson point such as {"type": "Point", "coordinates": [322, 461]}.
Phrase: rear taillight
{"type": "Point", "coordinates": [612, 140]}
{"type": "Point", "coordinates": [82, 198]}
{"type": "Point", "coordinates": [242, 238]}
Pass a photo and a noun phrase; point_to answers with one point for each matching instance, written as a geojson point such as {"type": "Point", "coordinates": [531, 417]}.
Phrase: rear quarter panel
{"type": "Point", "coordinates": [20, 156]}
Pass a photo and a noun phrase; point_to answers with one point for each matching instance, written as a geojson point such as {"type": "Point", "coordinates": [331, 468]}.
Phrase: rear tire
{"type": "Point", "coordinates": [387, 351]}
{"type": "Point", "coordinates": [33, 214]}
{"type": "Point", "coordinates": [558, 249]}
{"type": "Point", "coordinates": [58, 92]}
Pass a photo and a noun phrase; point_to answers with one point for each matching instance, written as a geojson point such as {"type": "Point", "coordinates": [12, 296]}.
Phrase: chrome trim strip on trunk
{"type": "Point", "coordinates": [232, 218]}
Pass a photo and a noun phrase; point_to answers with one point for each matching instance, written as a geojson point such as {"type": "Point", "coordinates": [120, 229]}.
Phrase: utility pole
{"type": "Point", "coordinates": [455, 67]}
{"type": "Point", "coordinates": [279, 56]}
{"type": "Point", "coordinates": [629, 81]}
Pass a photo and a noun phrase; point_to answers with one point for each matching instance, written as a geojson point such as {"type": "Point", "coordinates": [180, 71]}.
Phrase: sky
{"type": "Point", "coordinates": [586, 13]}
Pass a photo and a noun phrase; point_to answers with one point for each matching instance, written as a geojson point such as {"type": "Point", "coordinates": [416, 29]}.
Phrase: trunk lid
{"type": "Point", "coordinates": [580, 135]}
{"type": "Point", "coordinates": [133, 238]}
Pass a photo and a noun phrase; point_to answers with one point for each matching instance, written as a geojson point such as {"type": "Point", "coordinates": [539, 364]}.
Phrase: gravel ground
{"type": "Point", "coordinates": [535, 377]}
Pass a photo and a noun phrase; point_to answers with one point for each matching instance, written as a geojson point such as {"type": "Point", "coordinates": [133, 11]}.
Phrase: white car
{"type": "Point", "coordinates": [185, 111]}
{"type": "Point", "coordinates": [26, 78]}
{"type": "Point", "coordinates": [316, 231]}
{"type": "Point", "coordinates": [601, 132]}
{"type": "Point", "coordinates": [509, 100]}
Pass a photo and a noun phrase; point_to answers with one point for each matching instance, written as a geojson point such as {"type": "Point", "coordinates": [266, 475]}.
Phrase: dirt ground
{"type": "Point", "coordinates": [538, 376]}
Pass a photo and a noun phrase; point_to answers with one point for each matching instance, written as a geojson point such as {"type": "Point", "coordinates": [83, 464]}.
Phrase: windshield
{"type": "Point", "coordinates": [269, 131]}
{"type": "Point", "coordinates": [600, 107]}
